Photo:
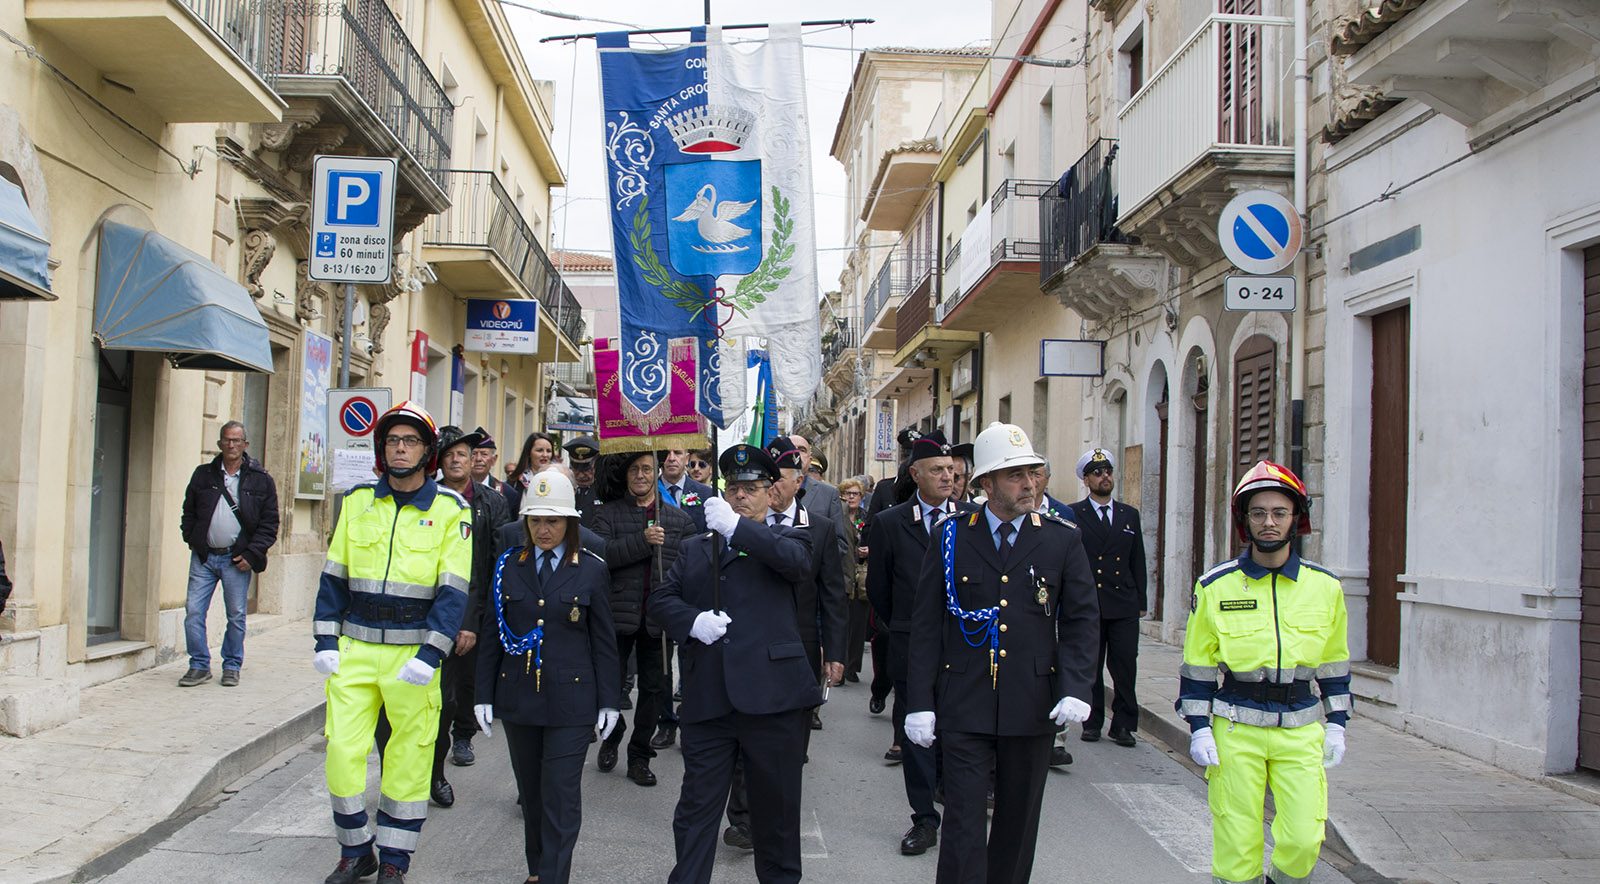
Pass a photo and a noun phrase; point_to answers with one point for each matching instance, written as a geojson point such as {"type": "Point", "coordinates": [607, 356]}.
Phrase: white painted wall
{"type": "Point", "coordinates": [1489, 627]}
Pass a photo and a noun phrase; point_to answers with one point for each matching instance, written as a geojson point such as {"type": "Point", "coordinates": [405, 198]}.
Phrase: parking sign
{"type": "Point", "coordinates": [352, 223]}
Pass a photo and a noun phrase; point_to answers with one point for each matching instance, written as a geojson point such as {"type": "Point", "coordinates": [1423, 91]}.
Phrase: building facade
{"type": "Point", "coordinates": [190, 128]}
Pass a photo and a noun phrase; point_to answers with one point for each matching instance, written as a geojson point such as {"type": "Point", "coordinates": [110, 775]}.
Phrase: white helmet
{"type": "Point", "coordinates": [549, 494]}
{"type": "Point", "coordinates": [1000, 446]}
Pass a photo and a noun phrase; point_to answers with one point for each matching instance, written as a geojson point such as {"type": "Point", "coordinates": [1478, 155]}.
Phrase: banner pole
{"type": "Point", "coordinates": [349, 308]}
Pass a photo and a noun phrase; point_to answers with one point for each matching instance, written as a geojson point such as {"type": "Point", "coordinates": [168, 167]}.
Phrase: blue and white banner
{"type": "Point", "coordinates": [709, 177]}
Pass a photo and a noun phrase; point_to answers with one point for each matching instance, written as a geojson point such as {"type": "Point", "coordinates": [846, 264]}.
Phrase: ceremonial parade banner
{"type": "Point", "coordinates": [674, 423]}
{"type": "Point", "coordinates": [709, 180]}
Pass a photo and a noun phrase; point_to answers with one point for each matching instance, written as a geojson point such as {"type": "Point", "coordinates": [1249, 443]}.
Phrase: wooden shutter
{"type": "Point", "coordinates": [1589, 579]}
{"type": "Point", "coordinates": [1239, 75]}
{"type": "Point", "coordinates": [1255, 375]}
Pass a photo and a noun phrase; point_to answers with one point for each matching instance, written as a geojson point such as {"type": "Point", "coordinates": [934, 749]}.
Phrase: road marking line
{"type": "Point", "coordinates": [1175, 817]}
{"type": "Point", "coordinates": [813, 833]}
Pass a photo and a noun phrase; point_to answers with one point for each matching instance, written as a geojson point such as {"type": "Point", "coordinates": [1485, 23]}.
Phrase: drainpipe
{"type": "Point", "coordinates": [1297, 331]}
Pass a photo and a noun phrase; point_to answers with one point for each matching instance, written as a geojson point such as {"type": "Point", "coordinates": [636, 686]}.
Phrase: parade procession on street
{"type": "Point", "coordinates": [1076, 471]}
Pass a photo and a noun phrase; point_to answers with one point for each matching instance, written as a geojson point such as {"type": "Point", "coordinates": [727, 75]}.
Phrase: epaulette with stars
{"type": "Point", "coordinates": [597, 556]}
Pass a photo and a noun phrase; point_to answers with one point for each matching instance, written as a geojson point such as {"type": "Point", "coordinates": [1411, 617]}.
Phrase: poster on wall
{"type": "Point", "coordinates": [883, 445]}
{"type": "Point", "coordinates": [315, 378]}
{"type": "Point", "coordinates": [570, 413]}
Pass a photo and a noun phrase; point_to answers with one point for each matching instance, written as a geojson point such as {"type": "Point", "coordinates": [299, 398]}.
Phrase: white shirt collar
{"type": "Point", "coordinates": [923, 506]}
{"type": "Point", "coordinates": [788, 514]}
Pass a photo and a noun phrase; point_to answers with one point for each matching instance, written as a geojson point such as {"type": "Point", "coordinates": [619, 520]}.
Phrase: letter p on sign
{"type": "Point", "coordinates": [353, 199]}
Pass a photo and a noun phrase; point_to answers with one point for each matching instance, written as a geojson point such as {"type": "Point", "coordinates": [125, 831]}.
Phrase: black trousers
{"type": "Point", "coordinates": [770, 747]}
{"type": "Point", "coordinates": [460, 694]}
{"type": "Point", "coordinates": [919, 766]}
{"type": "Point", "coordinates": [1119, 652]}
{"type": "Point", "coordinates": [856, 636]}
{"type": "Point", "coordinates": [882, 679]}
{"type": "Point", "coordinates": [548, 765]}
{"type": "Point", "coordinates": [1019, 766]}
{"type": "Point", "coordinates": [645, 650]}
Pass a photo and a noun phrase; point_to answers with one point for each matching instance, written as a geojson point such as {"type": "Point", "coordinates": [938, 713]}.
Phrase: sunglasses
{"type": "Point", "coordinates": [699, 464]}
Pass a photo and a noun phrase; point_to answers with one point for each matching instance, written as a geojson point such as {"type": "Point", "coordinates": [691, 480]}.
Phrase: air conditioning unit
{"type": "Point", "coordinates": [961, 374]}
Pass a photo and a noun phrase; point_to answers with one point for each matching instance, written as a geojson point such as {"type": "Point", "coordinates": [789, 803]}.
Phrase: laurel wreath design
{"type": "Point", "coordinates": [752, 289]}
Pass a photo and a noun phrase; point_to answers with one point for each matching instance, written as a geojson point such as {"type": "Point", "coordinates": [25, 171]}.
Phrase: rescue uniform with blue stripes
{"type": "Point", "coordinates": [1267, 634]}
{"type": "Point", "coordinates": [394, 587]}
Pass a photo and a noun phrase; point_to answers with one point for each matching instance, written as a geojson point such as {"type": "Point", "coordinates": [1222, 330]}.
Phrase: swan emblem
{"type": "Point", "coordinates": [714, 220]}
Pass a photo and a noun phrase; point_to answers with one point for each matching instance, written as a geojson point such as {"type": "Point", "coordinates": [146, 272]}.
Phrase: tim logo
{"type": "Point", "coordinates": [502, 310]}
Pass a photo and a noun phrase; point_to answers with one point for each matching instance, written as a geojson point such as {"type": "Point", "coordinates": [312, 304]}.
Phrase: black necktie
{"type": "Point", "coordinates": [1105, 514]}
{"type": "Point", "coordinates": [777, 518]}
{"type": "Point", "coordinates": [927, 519]}
{"type": "Point", "coordinates": [677, 494]}
{"type": "Point", "coordinates": [546, 566]}
{"type": "Point", "coordinates": [1004, 531]}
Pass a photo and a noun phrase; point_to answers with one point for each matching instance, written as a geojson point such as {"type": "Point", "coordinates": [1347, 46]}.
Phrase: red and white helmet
{"type": "Point", "coordinates": [408, 412]}
{"type": "Point", "coordinates": [1268, 476]}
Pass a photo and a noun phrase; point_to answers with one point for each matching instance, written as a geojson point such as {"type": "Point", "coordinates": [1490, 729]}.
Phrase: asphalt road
{"type": "Point", "coordinates": [1117, 814]}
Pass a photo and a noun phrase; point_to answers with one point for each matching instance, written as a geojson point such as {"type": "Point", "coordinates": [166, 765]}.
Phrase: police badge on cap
{"type": "Point", "coordinates": [929, 444]}
{"type": "Point", "coordinates": [1095, 459]}
{"type": "Point", "coordinates": [747, 463]}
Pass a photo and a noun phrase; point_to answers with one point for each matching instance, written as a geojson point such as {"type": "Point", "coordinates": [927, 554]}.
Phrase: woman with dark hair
{"type": "Point", "coordinates": [548, 669]}
{"type": "Point", "coordinates": [537, 453]}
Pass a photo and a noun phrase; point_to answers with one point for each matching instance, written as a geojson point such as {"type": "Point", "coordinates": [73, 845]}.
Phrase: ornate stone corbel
{"type": "Point", "coordinates": [306, 291]}
{"type": "Point", "coordinates": [314, 140]}
{"type": "Point", "coordinates": [377, 324]}
{"type": "Point", "coordinates": [258, 248]}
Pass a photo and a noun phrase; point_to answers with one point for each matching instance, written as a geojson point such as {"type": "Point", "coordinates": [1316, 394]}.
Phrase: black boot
{"type": "Point", "coordinates": [353, 868]}
{"type": "Point", "coordinates": [443, 795]}
{"type": "Point", "coordinates": [391, 874]}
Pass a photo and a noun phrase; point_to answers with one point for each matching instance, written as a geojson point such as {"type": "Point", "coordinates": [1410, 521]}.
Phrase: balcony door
{"type": "Point", "coordinates": [1239, 75]}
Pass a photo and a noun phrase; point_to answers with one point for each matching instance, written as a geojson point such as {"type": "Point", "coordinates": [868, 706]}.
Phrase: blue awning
{"type": "Point", "coordinates": [24, 252]}
{"type": "Point", "coordinates": [153, 294]}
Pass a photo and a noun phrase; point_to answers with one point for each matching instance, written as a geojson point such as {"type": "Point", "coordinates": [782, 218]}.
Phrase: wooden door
{"type": "Point", "coordinates": [1589, 627]}
{"type": "Point", "coordinates": [1161, 507]}
{"type": "Point", "coordinates": [1391, 429]}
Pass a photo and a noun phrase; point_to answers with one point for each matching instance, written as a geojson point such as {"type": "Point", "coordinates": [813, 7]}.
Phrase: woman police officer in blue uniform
{"type": "Point", "coordinates": [548, 669]}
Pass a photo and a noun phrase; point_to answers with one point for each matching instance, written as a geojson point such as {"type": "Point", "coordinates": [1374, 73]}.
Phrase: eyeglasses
{"type": "Point", "coordinates": [741, 489]}
{"type": "Point", "coordinates": [1260, 516]}
{"type": "Point", "coordinates": [403, 441]}
{"type": "Point", "coordinates": [699, 465]}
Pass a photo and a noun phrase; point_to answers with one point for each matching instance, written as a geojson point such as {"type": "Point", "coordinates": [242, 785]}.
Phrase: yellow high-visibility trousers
{"type": "Point", "coordinates": [366, 682]}
{"type": "Point", "coordinates": [1253, 759]}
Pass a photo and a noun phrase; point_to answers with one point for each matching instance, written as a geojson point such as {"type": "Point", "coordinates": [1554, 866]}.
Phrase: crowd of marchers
{"type": "Point", "coordinates": [719, 598]}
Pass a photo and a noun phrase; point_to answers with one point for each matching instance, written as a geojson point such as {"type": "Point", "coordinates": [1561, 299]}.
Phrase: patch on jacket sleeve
{"type": "Point", "coordinates": [1236, 605]}
{"type": "Point", "coordinates": [466, 530]}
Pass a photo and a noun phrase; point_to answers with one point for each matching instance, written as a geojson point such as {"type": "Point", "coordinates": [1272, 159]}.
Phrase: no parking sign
{"type": "Point", "coordinates": [352, 414]}
{"type": "Point", "coordinates": [1260, 231]}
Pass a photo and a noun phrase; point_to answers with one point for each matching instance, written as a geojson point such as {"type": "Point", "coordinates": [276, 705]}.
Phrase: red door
{"type": "Point", "coordinates": [1391, 428]}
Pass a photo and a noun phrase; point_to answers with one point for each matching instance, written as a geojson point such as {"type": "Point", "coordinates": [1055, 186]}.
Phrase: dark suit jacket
{"type": "Point", "coordinates": [697, 511]}
{"type": "Point", "coordinates": [820, 602]}
{"type": "Point", "coordinates": [894, 562]}
{"type": "Point", "coordinates": [1117, 556]}
{"type": "Point", "coordinates": [759, 667]}
{"type": "Point", "coordinates": [580, 670]}
{"type": "Point", "coordinates": [1050, 650]}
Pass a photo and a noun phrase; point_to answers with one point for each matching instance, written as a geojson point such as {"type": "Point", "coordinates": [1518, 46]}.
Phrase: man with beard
{"type": "Point", "coordinates": [642, 536]}
{"type": "Point", "coordinates": [1003, 644]}
{"type": "Point", "coordinates": [898, 544]}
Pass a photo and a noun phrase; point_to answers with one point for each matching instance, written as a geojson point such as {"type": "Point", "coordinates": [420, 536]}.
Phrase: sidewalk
{"type": "Point", "coordinates": [145, 749]}
{"type": "Point", "coordinates": [1415, 812]}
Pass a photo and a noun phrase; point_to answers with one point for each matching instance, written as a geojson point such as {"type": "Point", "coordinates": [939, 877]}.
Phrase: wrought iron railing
{"type": "Point", "coordinates": [482, 215]}
{"type": "Point", "coordinates": [241, 24]}
{"type": "Point", "coordinates": [1012, 235]}
{"type": "Point", "coordinates": [361, 42]}
{"type": "Point", "coordinates": [1080, 211]}
{"type": "Point", "coordinates": [893, 281]}
{"type": "Point", "coordinates": [951, 271]}
{"type": "Point", "coordinates": [578, 375]}
{"type": "Point", "coordinates": [838, 339]}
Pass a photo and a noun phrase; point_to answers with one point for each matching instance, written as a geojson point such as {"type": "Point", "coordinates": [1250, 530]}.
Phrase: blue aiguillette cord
{"type": "Point", "coordinates": [973, 623]}
{"type": "Point", "coordinates": [514, 644]}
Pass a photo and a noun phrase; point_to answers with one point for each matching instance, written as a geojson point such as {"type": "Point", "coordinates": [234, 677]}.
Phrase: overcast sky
{"type": "Point", "coordinates": [579, 221]}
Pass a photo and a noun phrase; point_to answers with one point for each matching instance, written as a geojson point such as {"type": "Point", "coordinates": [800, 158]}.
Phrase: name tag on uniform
{"type": "Point", "coordinates": [1237, 605]}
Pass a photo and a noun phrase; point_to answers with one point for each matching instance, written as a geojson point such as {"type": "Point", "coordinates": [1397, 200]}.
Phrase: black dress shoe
{"type": "Point", "coordinates": [391, 874]}
{"type": "Point", "coordinates": [852, 678]}
{"type": "Point", "coordinates": [1059, 757]}
{"type": "Point", "coordinates": [443, 795]}
{"type": "Point", "coordinates": [893, 756]}
{"type": "Point", "coordinates": [608, 757]}
{"type": "Point", "coordinates": [738, 836]}
{"type": "Point", "coordinates": [352, 869]}
{"type": "Point", "coordinates": [816, 720]}
{"type": "Point", "coordinates": [666, 735]}
{"type": "Point", "coordinates": [1089, 736]}
{"type": "Point", "coordinates": [1122, 737]}
{"type": "Point", "coordinates": [918, 840]}
{"type": "Point", "coordinates": [875, 705]}
{"type": "Point", "coordinates": [639, 771]}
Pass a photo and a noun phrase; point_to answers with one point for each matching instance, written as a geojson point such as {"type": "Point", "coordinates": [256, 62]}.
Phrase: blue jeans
{"type": "Point", "coordinates": [203, 576]}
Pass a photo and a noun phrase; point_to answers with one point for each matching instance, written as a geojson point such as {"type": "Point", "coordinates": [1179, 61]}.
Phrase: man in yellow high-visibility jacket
{"type": "Point", "coordinates": [1268, 623]}
{"type": "Point", "coordinates": [392, 594]}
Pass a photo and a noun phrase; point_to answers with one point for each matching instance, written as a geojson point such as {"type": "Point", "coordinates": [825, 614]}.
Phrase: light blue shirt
{"type": "Point", "coordinates": [559, 552]}
{"type": "Point", "coordinates": [994, 525]}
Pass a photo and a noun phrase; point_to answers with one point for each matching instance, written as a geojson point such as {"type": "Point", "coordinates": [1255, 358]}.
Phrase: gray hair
{"type": "Point", "coordinates": [231, 425]}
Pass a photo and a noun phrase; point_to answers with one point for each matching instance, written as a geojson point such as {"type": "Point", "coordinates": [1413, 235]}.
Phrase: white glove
{"type": "Point", "coordinates": [416, 672]}
{"type": "Point", "coordinates": [607, 720]}
{"type": "Point", "coordinates": [709, 626]}
{"type": "Point", "coordinates": [919, 728]}
{"type": "Point", "coordinates": [1333, 745]}
{"type": "Point", "coordinates": [326, 662]}
{"type": "Point", "coordinates": [1203, 748]}
{"type": "Point", "coordinates": [485, 715]}
{"type": "Point", "coordinates": [720, 517]}
{"type": "Point", "coordinates": [1069, 709]}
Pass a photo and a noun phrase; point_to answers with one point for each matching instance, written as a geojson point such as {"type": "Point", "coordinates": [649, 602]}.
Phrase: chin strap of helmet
{"type": "Point", "coordinates": [1268, 546]}
{"type": "Point", "coordinates": [402, 472]}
